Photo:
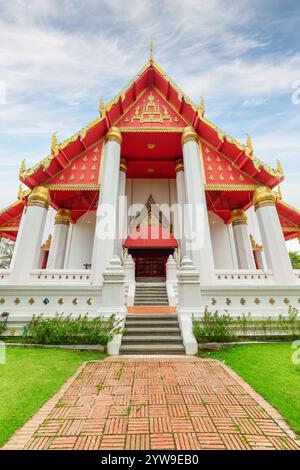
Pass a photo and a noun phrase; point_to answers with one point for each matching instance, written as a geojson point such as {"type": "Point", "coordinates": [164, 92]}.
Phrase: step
{"type": "Point", "coordinates": [133, 331]}
{"type": "Point", "coordinates": [149, 316]}
{"type": "Point", "coordinates": [146, 339]}
{"type": "Point", "coordinates": [151, 296]}
{"type": "Point", "coordinates": [153, 349]}
{"type": "Point", "coordinates": [149, 304]}
{"type": "Point", "coordinates": [144, 323]}
{"type": "Point", "coordinates": [150, 289]}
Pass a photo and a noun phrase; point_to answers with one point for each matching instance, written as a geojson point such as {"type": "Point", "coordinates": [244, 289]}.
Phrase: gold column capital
{"type": "Point", "coordinates": [114, 135]}
{"type": "Point", "coordinates": [39, 196]}
{"type": "Point", "coordinates": [263, 196]}
{"type": "Point", "coordinates": [123, 165]}
{"type": "Point", "coordinates": [238, 217]}
{"type": "Point", "coordinates": [179, 166]}
{"type": "Point", "coordinates": [189, 134]}
{"type": "Point", "coordinates": [63, 217]}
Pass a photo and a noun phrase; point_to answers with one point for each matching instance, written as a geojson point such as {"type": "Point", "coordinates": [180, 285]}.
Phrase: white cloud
{"type": "Point", "coordinates": [59, 56]}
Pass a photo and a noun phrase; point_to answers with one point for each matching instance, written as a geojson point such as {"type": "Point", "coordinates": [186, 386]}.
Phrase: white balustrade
{"type": "Point", "coordinates": [243, 276]}
{"type": "Point", "coordinates": [57, 276]}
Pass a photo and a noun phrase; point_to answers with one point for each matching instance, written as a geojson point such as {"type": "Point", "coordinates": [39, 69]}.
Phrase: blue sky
{"type": "Point", "coordinates": [59, 57]}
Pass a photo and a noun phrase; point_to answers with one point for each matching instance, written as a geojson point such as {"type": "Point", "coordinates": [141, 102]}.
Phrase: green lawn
{"type": "Point", "coordinates": [29, 378]}
{"type": "Point", "coordinates": [268, 368]}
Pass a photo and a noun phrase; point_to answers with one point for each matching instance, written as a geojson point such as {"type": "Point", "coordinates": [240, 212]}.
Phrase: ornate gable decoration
{"type": "Point", "coordinates": [221, 172]}
{"type": "Point", "coordinates": [151, 110]}
{"type": "Point", "coordinates": [81, 173]}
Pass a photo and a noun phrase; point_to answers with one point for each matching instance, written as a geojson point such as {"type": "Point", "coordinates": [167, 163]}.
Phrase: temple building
{"type": "Point", "coordinates": [150, 207]}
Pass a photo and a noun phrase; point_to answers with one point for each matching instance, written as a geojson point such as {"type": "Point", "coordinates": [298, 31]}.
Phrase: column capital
{"type": "Point", "coordinates": [189, 134]}
{"type": "Point", "coordinates": [238, 217]}
{"type": "Point", "coordinates": [63, 217]}
{"type": "Point", "coordinates": [40, 196]}
{"type": "Point", "coordinates": [114, 135]}
{"type": "Point", "coordinates": [179, 166]}
{"type": "Point", "coordinates": [263, 196]}
{"type": "Point", "coordinates": [123, 165]}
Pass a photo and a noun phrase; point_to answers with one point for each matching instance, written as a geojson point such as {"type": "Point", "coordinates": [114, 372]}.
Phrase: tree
{"type": "Point", "coordinates": [295, 259]}
{"type": "Point", "coordinates": [6, 251]}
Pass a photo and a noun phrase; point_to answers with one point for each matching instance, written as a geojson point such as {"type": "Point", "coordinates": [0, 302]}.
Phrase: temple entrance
{"type": "Point", "coordinates": [150, 264]}
{"type": "Point", "coordinates": [150, 248]}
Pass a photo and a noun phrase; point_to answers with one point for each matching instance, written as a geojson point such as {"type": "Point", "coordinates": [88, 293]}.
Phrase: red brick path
{"type": "Point", "coordinates": [155, 403]}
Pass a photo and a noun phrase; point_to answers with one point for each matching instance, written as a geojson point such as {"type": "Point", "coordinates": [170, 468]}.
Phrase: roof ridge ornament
{"type": "Point", "coordinates": [54, 144]}
{"type": "Point", "coordinates": [151, 59]}
{"type": "Point", "coordinates": [279, 168]}
{"type": "Point", "coordinates": [249, 145]}
{"type": "Point", "coordinates": [22, 168]}
{"type": "Point", "coordinates": [102, 108]}
{"type": "Point", "coordinates": [20, 193]}
{"type": "Point", "coordinates": [201, 109]}
{"type": "Point", "coordinates": [279, 193]}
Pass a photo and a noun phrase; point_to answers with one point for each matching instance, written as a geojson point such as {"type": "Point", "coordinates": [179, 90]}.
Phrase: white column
{"type": "Point", "coordinates": [272, 237]}
{"type": "Point", "coordinates": [181, 199]}
{"type": "Point", "coordinates": [200, 246]}
{"type": "Point", "coordinates": [122, 222]}
{"type": "Point", "coordinates": [113, 299]}
{"type": "Point", "coordinates": [105, 231]}
{"type": "Point", "coordinates": [243, 246]}
{"type": "Point", "coordinates": [58, 247]}
{"type": "Point", "coordinates": [27, 251]}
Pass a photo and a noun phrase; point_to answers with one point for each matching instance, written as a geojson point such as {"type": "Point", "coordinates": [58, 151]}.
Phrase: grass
{"type": "Point", "coordinates": [29, 378]}
{"type": "Point", "coordinates": [269, 369]}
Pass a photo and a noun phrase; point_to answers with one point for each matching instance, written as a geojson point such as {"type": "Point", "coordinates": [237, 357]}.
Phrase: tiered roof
{"type": "Point", "coordinates": [152, 104]}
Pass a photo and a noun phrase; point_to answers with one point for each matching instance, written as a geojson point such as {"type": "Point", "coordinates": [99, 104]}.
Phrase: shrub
{"type": "Point", "coordinates": [213, 328]}
{"type": "Point", "coordinates": [2, 327]}
{"type": "Point", "coordinates": [223, 328]}
{"type": "Point", "coordinates": [66, 330]}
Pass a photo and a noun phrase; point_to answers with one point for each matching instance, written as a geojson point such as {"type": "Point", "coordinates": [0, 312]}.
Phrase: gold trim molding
{"type": "Point", "coordinates": [189, 134]}
{"type": "Point", "coordinates": [123, 165]}
{"type": "Point", "coordinates": [40, 196]}
{"type": "Point", "coordinates": [114, 135]}
{"type": "Point", "coordinates": [238, 217]}
{"type": "Point", "coordinates": [63, 217]}
{"type": "Point", "coordinates": [263, 197]}
{"type": "Point", "coordinates": [73, 187]}
{"type": "Point", "coordinates": [231, 187]}
{"type": "Point", "coordinates": [179, 166]}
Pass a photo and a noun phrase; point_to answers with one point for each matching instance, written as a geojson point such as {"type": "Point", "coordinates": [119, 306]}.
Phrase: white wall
{"type": "Point", "coordinates": [222, 243]}
{"type": "Point", "coordinates": [163, 192]}
{"type": "Point", "coordinates": [81, 239]}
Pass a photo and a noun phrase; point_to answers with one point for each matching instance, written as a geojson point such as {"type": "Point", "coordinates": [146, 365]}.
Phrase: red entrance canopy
{"type": "Point", "coordinates": [151, 237]}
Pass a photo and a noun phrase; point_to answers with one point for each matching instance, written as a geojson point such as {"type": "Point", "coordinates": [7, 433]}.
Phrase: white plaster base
{"type": "Point", "coordinates": [186, 326]}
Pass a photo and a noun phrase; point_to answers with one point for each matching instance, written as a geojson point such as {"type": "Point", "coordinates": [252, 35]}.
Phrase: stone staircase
{"type": "Point", "coordinates": [152, 334]}
{"type": "Point", "coordinates": [151, 294]}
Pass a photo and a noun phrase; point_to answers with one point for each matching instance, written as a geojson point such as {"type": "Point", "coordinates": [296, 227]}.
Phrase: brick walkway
{"type": "Point", "coordinates": [155, 403]}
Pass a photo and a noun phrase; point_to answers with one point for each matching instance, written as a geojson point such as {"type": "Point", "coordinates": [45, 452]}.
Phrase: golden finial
{"type": "Point", "coordinates": [279, 167]}
{"type": "Point", "coordinates": [23, 167]}
{"type": "Point", "coordinates": [249, 143]}
{"type": "Point", "coordinates": [151, 51]}
{"type": "Point", "coordinates": [101, 107]}
{"type": "Point", "coordinates": [54, 144]}
{"type": "Point", "coordinates": [279, 193]}
{"type": "Point", "coordinates": [20, 193]}
{"type": "Point", "coordinates": [202, 107]}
